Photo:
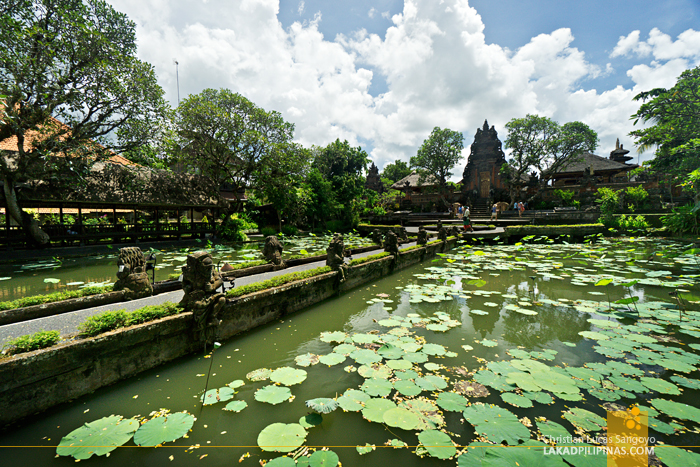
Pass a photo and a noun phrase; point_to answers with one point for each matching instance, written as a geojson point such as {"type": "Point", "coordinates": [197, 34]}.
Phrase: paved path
{"type": "Point", "coordinates": [67, 323]}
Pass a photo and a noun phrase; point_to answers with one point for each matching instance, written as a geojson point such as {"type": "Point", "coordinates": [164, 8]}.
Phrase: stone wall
{"type": "Point", "coordinates": [34, 381]}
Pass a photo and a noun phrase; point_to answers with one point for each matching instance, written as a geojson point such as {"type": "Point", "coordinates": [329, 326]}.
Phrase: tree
{"type": "Point", "coordinates": [396, 171]}
{"type": "Point", "coordinates": [438, 155]}
{"type": "Point", "coordinates": [69, 78]}
{"type": "Point", "coordinates": [675, 130]}
{"type": "Point", "coordinates": [542, 145]}
{"type": "Point", "coordinates": [226, 137]}
{"type": "Point", "coordinates": [343, 165]}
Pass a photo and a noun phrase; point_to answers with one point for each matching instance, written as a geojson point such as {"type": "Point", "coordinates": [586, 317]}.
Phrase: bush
{"type": "Point", "coordinates": [682, 220]}
{"type": "Point", "coordinates": [366, 259]}
{"type": "Point", "coordinates": [267, 231]}
{"type": "Point", "coordinates": [632, 223]}
{"type": "Point", "coordinates": [609, 202]}
{"type": "Point", "coordinates": [276, 282]}
{"type": "Point", "coordinates": [636, 195]}
{"type": "Point", "coordinates": [289, 230]}
{"type": "Point", "coordinates": [232, 228]}
{"type": "Point", "coordinates": [111, 320]}
{"type": "Point", "coordinates": [53, 297]}
{"type": "Point", "coordinates": [30, 342]}
{"type": "Point", "coordinates": [336, 226]}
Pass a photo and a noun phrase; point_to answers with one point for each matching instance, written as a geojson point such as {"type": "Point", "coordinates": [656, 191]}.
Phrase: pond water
{"type": "Point", "coordinates": [411, 358]}
{"type": "Point", "coordinates": [46, 276]}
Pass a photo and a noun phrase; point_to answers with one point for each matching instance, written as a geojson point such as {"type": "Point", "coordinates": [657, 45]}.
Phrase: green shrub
{"type": "Point", "coordinates": [232, 228]}
{"type": "Point", "coordinates": [111, 320]}
{"type": "Point", "coordinates": [174, 276]}
{"type": "Point", "coordinates": [636, 195]}
{"type": "Point", "coordinates": [53, 297]}
{"type": "Point", "coordinates": [267, 231]}
{"type": "Point", "coordinates": [276, 282]}
{"type": "Point", "coordinates": [336, 226]}
{"type": "Point", "coordinates": [36, 341]}
{"type": "Point", "coordinates": [609, 202]}
{"type": "Point", "coordinates": [683, 219]}
{"type": "Point", "coordinates": [366, 259]}
{"type": "Point", "coordinates": [289, 230]}
{"type": "Point", "coordinates": [248, 264]}
{"type": "Point", "coordinates": [632, 223]}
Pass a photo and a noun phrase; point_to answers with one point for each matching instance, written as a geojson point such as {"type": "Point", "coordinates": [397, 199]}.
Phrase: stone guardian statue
{"type": "Point", "coordinates": [131, 276]}
{"type": "Point", "coordinates": [422, 236]}
{"type": "Point", "coordinates": [200, 282]}
{"type": "Point", "coordinates": [335, 256]}
{"type": "Point", "coordinates": [272, 251]}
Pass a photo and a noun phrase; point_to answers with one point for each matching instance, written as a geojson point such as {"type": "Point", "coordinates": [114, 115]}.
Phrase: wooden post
{"type": "Point", "coordinates": [80, 224]}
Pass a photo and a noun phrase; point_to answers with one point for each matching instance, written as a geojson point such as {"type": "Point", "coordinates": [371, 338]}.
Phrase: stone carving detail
{"type": "Point", "coordinates": [335, 256]}
{"type": "Point", "coordinates": [200, 282]}
{"type": "Point", "coordinates": [377, 237]}
{"type": "Point", "coordinates": [131, 276]}
{"type": "Point", "coordinates": [403, 234]}
{"type": "Point", "coordinates": [442, 231]}
{"type": "Point", "coordinates": [454, 231]}
{"type": "Point", "coordinates": [481, 174]}
{"type": "Point", "coordinates": [391, 244]}
{"type": "Point", "coordinates": [422, 236]}
{"type": "Point", "coordinates": [272, 251]}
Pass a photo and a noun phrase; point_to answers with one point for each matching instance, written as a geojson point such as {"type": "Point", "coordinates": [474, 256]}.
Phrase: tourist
{"type": "Point", "coordinates": [460, 212]}
{"type": "Point", "coordinates": [521, 209]}
{"type": "Point", "coordinates": [466, 222]}
{"type": "Point", "coordinates": [494, 212]}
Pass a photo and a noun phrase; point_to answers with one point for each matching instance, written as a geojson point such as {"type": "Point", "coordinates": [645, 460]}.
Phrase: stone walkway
{"type": "Point", "coordinates": [67, 323]}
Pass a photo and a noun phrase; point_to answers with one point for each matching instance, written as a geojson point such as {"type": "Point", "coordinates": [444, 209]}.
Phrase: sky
{"type": "Point", "coordinates": [382, 74]}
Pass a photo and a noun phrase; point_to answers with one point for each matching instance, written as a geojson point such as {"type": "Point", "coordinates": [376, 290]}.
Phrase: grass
{"type": "Point", "coordinates": [249, 264]}
{"type": "Point", "coordinates": [30, 342]}
{"type": "Point", "coordinates": [276, 282]}
{"type": "Point", "coordinates": [111, 320]}
{"type": "Point", "coordinates": [365, 259]}
{"type": "Point", "coordinates": [370, 226]}
{"type": "Point", "coordinates": [53, 297]}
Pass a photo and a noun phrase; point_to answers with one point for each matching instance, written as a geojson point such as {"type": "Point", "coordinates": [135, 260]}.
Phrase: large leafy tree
{"type": "Point", "coordinates": [438, 155]}
{"type": "Point", "coordinates": [342, 165]}
{"type": "Point", "coordinates": [69, 78]}
{"type": "Point", "coordinates": [542, 145]}
{"type": "Point", "coordinates": [226, 137]}
{"type": "Point", "coordinates": [396, 171]}
{"type": "Point", "coordinates": [674, 115]}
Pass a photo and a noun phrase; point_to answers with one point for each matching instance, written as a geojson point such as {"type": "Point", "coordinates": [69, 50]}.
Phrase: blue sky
{"type": "Point", "coordinates": [383, 73]}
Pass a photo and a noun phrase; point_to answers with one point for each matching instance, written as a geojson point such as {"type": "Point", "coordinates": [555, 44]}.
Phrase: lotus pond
{"type": "Point", "coordinates": [511, 344]}
{"type": "Point", "coordinates": [19, 280]}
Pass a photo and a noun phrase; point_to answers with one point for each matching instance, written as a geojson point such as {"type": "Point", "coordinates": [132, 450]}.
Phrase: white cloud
{"type": "Point", "coordinates": [372, 12]}
{"type": "Point", "coordinates": [300, 10]}
{"type": "Point", "coordinates": [438, 69]}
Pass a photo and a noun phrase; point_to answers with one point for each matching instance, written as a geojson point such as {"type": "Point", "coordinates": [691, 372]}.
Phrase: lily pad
{"type": "Point", "coordinates": [437, 443]}
{"type": "Point", "coordinates": [353, 400]}
{"type": "Point", "coordinates": [164, 429]}
{"type": "Point", "coordinates": [407, 388]}
{"type": "Point", "coordinates": [431, 383]}
{"type": "Point", "coordinates": [273, 394]}
{"type": "Point", "coordinates": [332, 358]}
{"type": "Point", "coordinates": [306, 359]}
{"type": "Point", "coordinates": [660, 385]}
{"type": "Point", "coordinates": [401, 418]}
{"type": "Point", "coordinates": [496, 423]}
{"type": "Point", "coordinates": [585, 420]}
{"type": "Point", "coordinates": [288, 376]}
{"type": "Point", "coordinates": [451, 401]}
{"type": "Point", "coordinates": [261, 374]}
{"type": "Point", "coordinates": [236, 406]}
{"type": "Point", "coordinates": [377, 387]}
{"type": "Point", "coordinates": [281, 437]}
{"type": "Point", "coordinates": [335, 336]}
{"type": "Point", "coordinates": [374, 409]}
{"type": "Point", "coordinates": [367, 448]}
{"type": "Point", "coordinates": [516, 400]}
{"type": "Point", "coordinates": [99, 437]}
{"type": "Point", "coordinates": [323, 459]}
{"type": "Point", "coordinates": [676, 409]}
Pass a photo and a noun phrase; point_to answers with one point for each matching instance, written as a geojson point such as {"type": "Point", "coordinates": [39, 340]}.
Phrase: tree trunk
{"type": "Point", "coordinates": [28, 223]}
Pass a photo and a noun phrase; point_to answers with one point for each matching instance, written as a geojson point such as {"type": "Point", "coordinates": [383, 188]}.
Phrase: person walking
{"type": "Point", "coordinates": [460, 212]}
{"type": "Point", "coordinates": [494, 212]}
{"type": "Point", "coordinates": [521, 209]}
{"type": "Point", "coordinates": [466, 221]}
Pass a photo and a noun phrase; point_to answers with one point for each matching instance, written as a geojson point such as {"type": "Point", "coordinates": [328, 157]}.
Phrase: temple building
{"type": "Point", "coordinates": [588, 166]}
{"type": "Point", "coordinates": [481, 179]}
{"type": "Point", "coordinates": [373, 181]}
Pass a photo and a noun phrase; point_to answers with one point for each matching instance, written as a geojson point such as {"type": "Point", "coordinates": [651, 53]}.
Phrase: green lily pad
{"type": "Point", "coordinates": [213, 396]}
{"type": "Point", "coordinates": [374, 409]}
{"type": "Point", "coordinates": [431, 383]}
{"type": "Point", "coordinates": [311, 420]}
{"type": "Point", "coordinates": [335, 336]}
{"type": "Point", "coordinates": [236, 384]}
{"type": "Point", "coordinates": [353, 400]}
{"type": "Point", "coordinates": [261, 374]}
{"type": "Point", "coordinates": [377, 387]}
{"type": "Point", "coordinates": [516, 400]}
{"type": "Point", "coordinates": [376, 370]}
{"type": "Point", "coordinates": [98, 437]}
{"type": "Point", "coordinates": [236, 406]}
{"type": "Point", "coordinates": [401, 418]}
{"type": "Point", "coordinates": [676, 409]}
{"type": "Point", "coordinates": [553, 430]}
{"type": "Point", "coordinates": [660, 385]}
{"type": "Point", "coordinates": [332, 358]}
{"type": "Point", "coordinates": [344, 349]}
{"type": "Point", "coordinates": [364, 338]}
{"type": "Point", "coordinates": [434, 349]}
{"type": "Point", "coordinates": [306, 359]}
{"type": "Point", "coordinates": [391, 352]}
{"type": "Point", "coordinates": [687, 382]}
{"type": "Point", "coordinates": [323, 459]}
{"type": "Point", "coordinates": [281, 437]}
{"type": "Point", "coordinates": [367, 448]}
{"type": "Point", "coordinates": [437, 443]}
{"type": "Point", "coordinates": [399, 364]}
{"type": "Point", "coordinates": [407, 388]}
{"type": "Point", "coordinates": [451, 401]}
{"type": "Point", "coordinates": [164, 429]}
{"type": "Point", "coordinates": [288, 376]}
{"type": "Point", "coordinates": [365, 356]}
{"type": "Point", "coordinates": [281, 462]}
{"type": "Point", "coordinates": [273, 394]}
{"type": "Point", "coordinates": [489, 343]}
{"type": "Point", "coordinates": [496, 423]}
{"type": "Point", "coordinates": [676, 457]}
{"type": "Point", "coordinates": [585, 420]}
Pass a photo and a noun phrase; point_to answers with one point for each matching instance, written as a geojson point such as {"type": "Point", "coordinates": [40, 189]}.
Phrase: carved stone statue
{"type": "Point", "coordinates": [403, 235]}
{"type": "Point", "coordinates": [131, 276]}
{"type": "Point", "coordinates": [454, 231]}
{"type": "Point", "coordinates": [200, 282]}
{"type": "Point", "coordinates": [335, 257]}
{"type": "Point", "coordinates": [422, 236]}
{"type": "Point", "coordinates": [442, 232]}
{"type": "Point", "coordinates": [391, 243]}
{"type": "Point", "coordinates": [272, 251]}
{"type": "Point", "coordinates": [377, 237]}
